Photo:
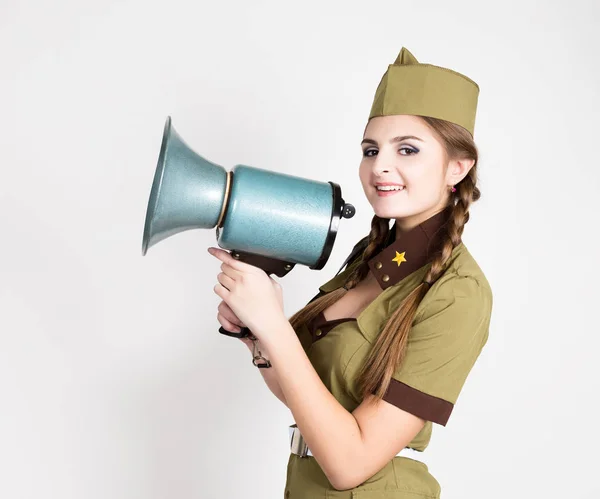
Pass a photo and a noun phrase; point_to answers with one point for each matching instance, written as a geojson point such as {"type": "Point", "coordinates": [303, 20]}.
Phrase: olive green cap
{"type": "Point", "coordinates": [409, 87]}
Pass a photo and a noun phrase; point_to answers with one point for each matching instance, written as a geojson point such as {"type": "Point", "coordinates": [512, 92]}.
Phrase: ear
{"type": "Point", "coordinates": [458, 169]}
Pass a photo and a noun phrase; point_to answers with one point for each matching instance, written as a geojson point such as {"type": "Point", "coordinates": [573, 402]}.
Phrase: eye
{"type": "Point", "coordinates": [410, 151]}
{"type": "Point", "coordinates": [367, 151]}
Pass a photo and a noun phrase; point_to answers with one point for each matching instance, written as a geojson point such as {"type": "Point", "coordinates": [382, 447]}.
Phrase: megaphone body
{"type": "Point", "coordinates": [268, 219]}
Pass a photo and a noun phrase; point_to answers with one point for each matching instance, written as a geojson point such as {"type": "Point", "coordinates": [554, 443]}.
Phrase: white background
{"type": "Point", "coordinates": [114, 381]}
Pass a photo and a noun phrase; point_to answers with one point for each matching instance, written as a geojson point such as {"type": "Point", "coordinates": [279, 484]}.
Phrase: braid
{"type": "Point", "coordinates": [379, 232]}
{"type": "Point", "coordinates": [466, 193]}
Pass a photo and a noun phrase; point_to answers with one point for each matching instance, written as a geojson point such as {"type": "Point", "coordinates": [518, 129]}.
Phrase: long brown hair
{"type": "Point", "coordinates": [389, 348]}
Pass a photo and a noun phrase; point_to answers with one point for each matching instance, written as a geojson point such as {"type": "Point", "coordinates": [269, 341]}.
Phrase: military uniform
{"type": "Point", "coordinates": [449, 331]}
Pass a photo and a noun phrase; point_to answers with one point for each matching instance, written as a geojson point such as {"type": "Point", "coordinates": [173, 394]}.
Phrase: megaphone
{"type": "Point", "coordinates": [267, 219]}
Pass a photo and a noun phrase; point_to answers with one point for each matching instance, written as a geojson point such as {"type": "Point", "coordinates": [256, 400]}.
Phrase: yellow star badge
{"type": "Point", "coordinates": [399, 258]}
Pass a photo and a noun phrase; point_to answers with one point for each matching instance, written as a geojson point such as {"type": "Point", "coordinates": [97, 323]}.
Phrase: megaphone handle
{"type": "Point", "coordinates": [244, 333]}
{"type": "Point", "coordinates": [269, 266]}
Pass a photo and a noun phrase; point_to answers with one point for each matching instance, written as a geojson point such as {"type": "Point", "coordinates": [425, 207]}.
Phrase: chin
{"type": "Point", "coordinates": [392, 214]}
{"type": "Point", "coordinates": [390, 211]}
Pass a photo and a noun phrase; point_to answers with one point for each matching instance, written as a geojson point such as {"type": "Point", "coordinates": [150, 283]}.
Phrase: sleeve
{"type": "Point", "coordinates": [449, 331]}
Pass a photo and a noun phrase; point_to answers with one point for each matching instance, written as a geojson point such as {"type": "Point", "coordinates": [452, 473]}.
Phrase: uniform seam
{"type": "Point", "coordinates": [395, 474]}
{"type": "Point", "coordinates": [351, 359]}
{"type": "Point", "coordinates": [434, 290]}
{"type": "Point", "coordinates": [433, 296]}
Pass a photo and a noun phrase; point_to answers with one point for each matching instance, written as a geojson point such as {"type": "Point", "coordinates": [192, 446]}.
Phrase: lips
{"type": "Point", "coordinates": [389, 193]}
{"type": "Point", "coordinates": [384, 184]}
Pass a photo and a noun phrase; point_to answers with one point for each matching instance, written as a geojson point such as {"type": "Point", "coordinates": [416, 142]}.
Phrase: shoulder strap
{"type": "Point", "coordinates": [359, 247]}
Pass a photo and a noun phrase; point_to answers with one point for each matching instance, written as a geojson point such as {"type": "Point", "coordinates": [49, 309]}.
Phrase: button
{"type": "Point", "coordinates": [378, 265]}
{"type": "Point", "coordinates": [385, 278]}
{"type": "Point", "coordinates": [319, 332]}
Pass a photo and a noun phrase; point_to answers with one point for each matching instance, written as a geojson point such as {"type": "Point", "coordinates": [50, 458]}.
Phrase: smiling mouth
{"type": "Point", "coordinates": [389, 191]}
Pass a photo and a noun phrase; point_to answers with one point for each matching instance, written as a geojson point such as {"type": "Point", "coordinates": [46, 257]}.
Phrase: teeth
{"type": "Point", "coordinates": [389, 188]}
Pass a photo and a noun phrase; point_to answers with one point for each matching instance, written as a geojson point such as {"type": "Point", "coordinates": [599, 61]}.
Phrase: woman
{"type": "Point", "coordinates": [383, 351]}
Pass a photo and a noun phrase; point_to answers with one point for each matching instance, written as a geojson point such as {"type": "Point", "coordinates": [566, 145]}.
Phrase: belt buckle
{"type": "Point", "coordinates": [297, 443]}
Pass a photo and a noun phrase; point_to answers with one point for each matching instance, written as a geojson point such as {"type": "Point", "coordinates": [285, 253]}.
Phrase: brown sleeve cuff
{"type": "Point", "coordinates": [418, 403]}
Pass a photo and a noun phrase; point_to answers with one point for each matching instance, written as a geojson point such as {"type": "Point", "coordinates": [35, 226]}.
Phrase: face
{"type": "Point", "coordinates": [401, 150]}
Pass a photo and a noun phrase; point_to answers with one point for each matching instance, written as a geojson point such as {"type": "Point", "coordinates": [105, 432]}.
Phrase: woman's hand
{"type": "Point", "coordinates": [254, 297]}
{"type": "Point", "coordinates": [231, 322]}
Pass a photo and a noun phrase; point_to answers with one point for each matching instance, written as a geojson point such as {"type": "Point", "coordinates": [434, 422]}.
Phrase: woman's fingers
{"type": "Point", "coordinates": [227, 324]}
{"type": "Point", "coordinates": [225, 280]}
{"type": "Point", "coordinates": [233, 327]}
{"type": "Point", "coordinates": [230, 322]}
{"type": "Point", "coordinates": [226, 313]}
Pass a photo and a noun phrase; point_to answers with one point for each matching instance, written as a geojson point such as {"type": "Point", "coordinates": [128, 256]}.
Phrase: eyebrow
{"type": "Point", "coordinates": [400, 138]}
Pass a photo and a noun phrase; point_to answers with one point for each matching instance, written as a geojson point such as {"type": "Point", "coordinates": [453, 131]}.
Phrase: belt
{"type": "Point", "coordinates": [299, 447]}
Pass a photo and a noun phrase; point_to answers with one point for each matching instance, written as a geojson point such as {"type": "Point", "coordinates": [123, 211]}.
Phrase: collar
{"type": "Point", "coordinates": [411, 251]}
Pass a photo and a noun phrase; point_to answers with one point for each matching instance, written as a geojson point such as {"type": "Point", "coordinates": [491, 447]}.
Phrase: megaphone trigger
{"type": "Point", "coordinates": [244, 333]}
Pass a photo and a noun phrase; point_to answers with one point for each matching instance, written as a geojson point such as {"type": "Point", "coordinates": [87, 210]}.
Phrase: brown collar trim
{"type": "Point", "coordinates": [319, 327]}
{"type": "Point", "coordinates": [411, 251]}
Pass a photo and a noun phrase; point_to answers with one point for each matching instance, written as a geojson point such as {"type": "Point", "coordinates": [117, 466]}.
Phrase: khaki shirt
{"type": "Point", "coordinates": [449, 331]}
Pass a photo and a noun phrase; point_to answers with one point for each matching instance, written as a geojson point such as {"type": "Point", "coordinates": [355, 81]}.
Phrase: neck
{"type": "Point", "coordinates": [406, 224]}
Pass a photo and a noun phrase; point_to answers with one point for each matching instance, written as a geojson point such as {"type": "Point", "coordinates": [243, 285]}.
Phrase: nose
{"type": "Point", "coordinates": [379, 166]}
